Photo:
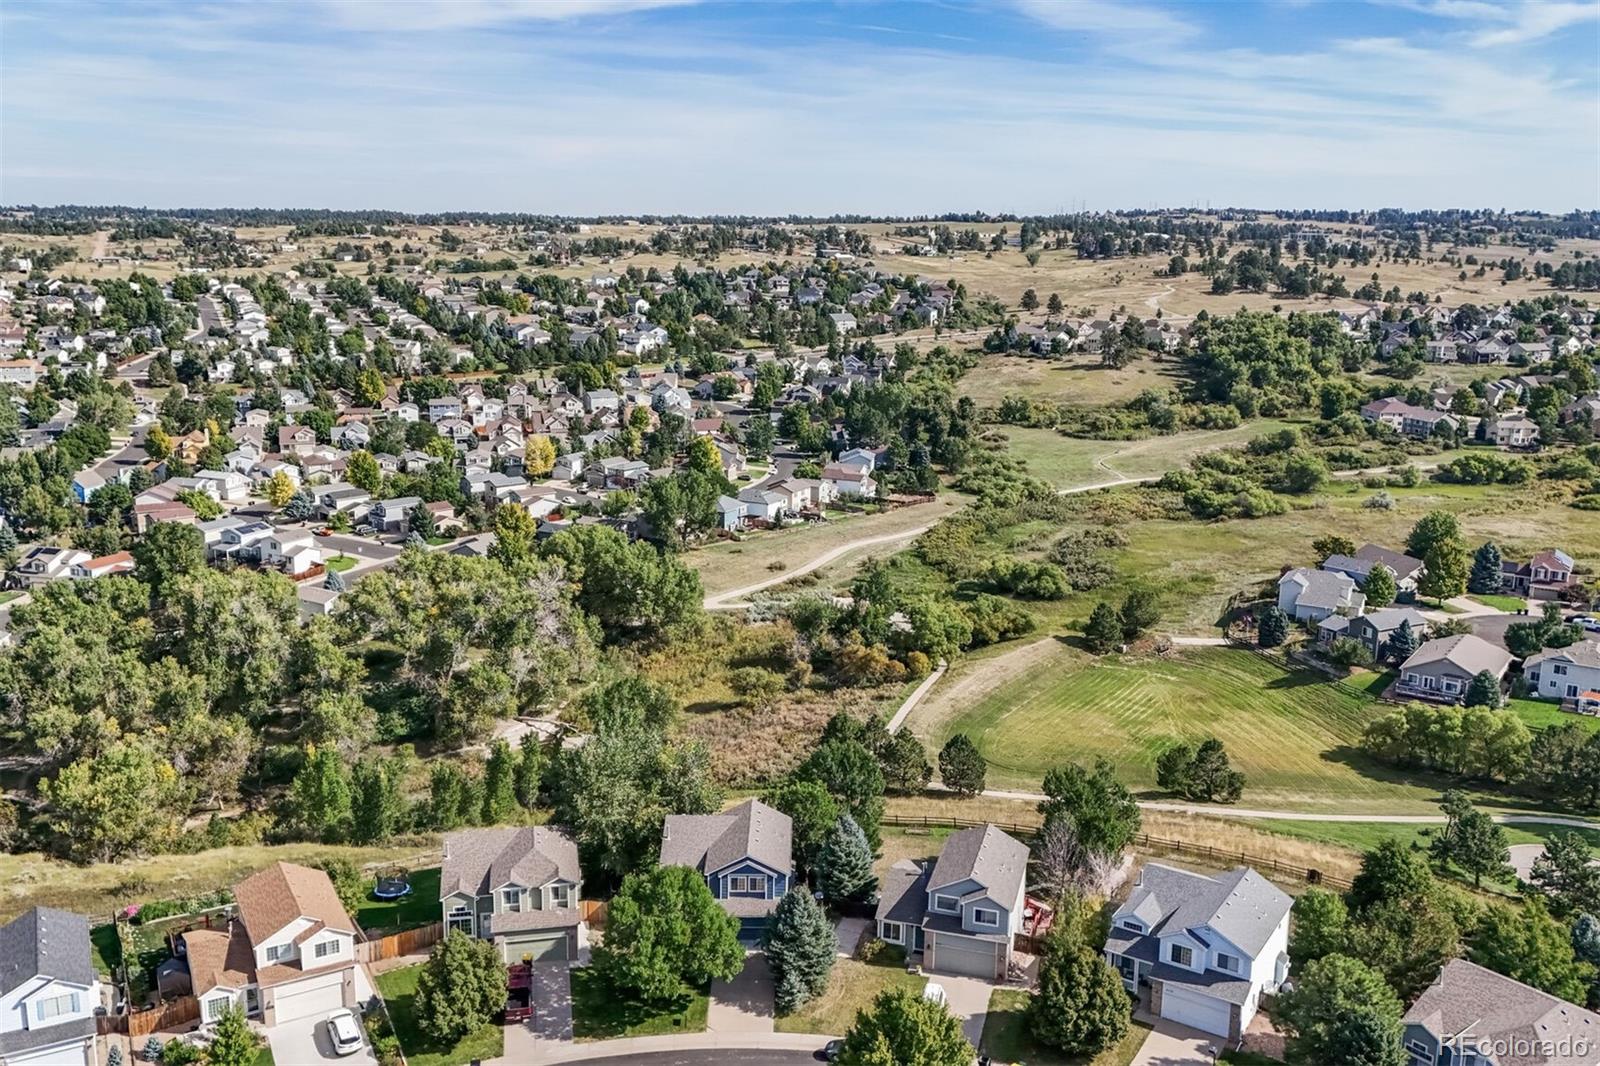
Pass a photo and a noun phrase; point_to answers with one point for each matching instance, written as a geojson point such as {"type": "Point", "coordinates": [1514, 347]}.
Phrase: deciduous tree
{"type": "Point", "coordinates": [665, 930]}
{"type": "Point", "coordinates": [1340, 1010]}
{"type": "Point", "coordinates": [461, 988]}
{"type": "Point", "coordinates": [902, 1028]}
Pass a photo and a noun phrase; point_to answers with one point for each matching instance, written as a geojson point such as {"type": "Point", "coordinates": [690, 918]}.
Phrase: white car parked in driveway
{"type": "Point", "coordinates": [344, 1033]}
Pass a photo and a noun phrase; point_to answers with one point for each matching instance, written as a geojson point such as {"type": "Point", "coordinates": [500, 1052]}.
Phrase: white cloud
{"type": "Point", "coordinates": [1108, 17]}
{"type": "Point", "coordinates": [434, 15]}
{"type": "Point", "coordinates": [1503, 24]}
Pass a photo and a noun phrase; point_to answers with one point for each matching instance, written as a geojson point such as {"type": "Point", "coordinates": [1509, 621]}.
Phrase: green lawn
{"type": "Point", "coordinates": [340, 563]}
{"type": "Point", "coordinates": [1501, 603]}
{"type": "Point", "coordinates": [852, 987]}
{"type": "Point", "coordinates": [1537, 714]}
{"type": "Point", "coordinates": [1006, 1038]}
{"type": "Point", "coordinates": [600, 1014]}
{"type": "Point", "coordinates": [1069, 462]}
{"type": "Point", "coordinates": [1364, 836]}
{"type": "Point", "coordinates": [104, 948]}
{"type": "Point", "coordinates": [263, 1056]}
{"type": "Point", "coordinates": [419, 908]}
{"type": "Point", "coordinates": [1293, 734]}
{"type": "Point", "coordinates": [399, 989]}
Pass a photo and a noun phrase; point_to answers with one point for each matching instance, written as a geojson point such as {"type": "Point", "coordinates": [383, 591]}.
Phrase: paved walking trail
{"type": "Point", "coordinates": [734, 598]}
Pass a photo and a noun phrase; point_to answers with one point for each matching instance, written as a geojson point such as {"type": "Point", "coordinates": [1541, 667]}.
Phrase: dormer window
{"type": "Point", "coordinates": [511, 900]}
{"type": "Point", "coordinates": [1182, 956]}
{"type": "Point", "coordinates": [276, 952]}
{"type": "Point", "coordinates": [326, 948]}
{"type": "Point", "coordinates": [985, 916]}
{"type": "Point", "coordinates": [1132, 925]}
{"type": "Point", "coordinates": [1227, 962]}
{"type": "Point", "coordinates": [946, 904]}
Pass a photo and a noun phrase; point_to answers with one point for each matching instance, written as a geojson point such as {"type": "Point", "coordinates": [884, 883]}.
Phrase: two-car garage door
{"type": "Point", "coordinates": [308, 998]}
{"type": "Point", "coordinates": [546, 946]}
{"type": "Point", "coordinates": [964, 955]}
{"type": "Point", "coordinates": [1206, 1013]}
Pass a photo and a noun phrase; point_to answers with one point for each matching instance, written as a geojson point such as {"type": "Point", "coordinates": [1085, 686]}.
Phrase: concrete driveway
{"type": "Point", "coordinates": [968, 999]}
{"type": "Point", "coordinates": [551, 1027]}
{"type": "Point", "coordinates": [305, 1041]}
{"type": "Point", "coordinates": [744, 1004]}
{"type": "Point", "coordinates": [1171, 1044]}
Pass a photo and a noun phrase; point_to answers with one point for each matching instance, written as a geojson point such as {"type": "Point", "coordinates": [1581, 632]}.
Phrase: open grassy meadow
{"type": "Point", "coordinates": [1292, 733]}
{"type": "Point", "coordinates": [1076, 379]}
{"type": "Point", "coordinates": [1072, 462]}
{"type": "Point", "coordinates": [765, 554]}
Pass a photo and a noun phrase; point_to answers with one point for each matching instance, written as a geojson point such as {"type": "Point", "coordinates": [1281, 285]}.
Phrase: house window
{"type": "Point", "coordinates": [1558, 669]}
{"type": "Point", "coordinates": [326, 948]}
{"type": "Point", "coordinates": [1227, 962]}
{"type": "Point", "coordinates": [1419, 1051]}
{"type": "Point", "coordinates": [216, 1005]}
{"type": "Point", "coordinates": [511, 900]}
{"type": "Point", "coordinates": [736, 883]}
{"type": "Point", "coordinates": [1451, 685]}
{"type": "Point", "coordinates": [892, 932]}
{"type": "Point", "coordinates": [459, 918]}
{"type": "Point", "coordinates": [1572, 692]}
{"type": "Point", "coordinates": [985, 916]}
{"type": "Point", "coordinates": [55, 1006]}
{"type": "Point", "coordinates": [1132, 926]}
{"type": "Point", "coordinates": [946, 904]}
{"type": "Point", "coordinates": [561, 895]}
{"type": "Point", "coordinates": [276, 952]}
{"type": "Point", "coordinates": [1181, 955]}
{"type": "Point", "coordinates": [1411, 679]}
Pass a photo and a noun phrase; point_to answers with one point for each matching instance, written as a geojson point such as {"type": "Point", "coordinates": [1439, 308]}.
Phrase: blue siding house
{"type": "Point", "coordinates": [745, 854]}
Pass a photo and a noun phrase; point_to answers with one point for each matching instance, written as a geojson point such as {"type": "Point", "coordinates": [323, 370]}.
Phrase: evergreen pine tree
{"type": "Point", "coordinates": [1104, 630]}
{"type": "Point", "coordinates": [530, 770]}
{"type": "Point", "coordinates": [233, 1042]}
{"type": "Point", "coordinates": [1483, 690]}
{"type": "Point", "coordinates": [1485, 579]}
{"type": "Point", "coordinates": [1380, 587]}
{"type": "Point", "coordinates": [1402, 643]}
{"type": "Point", "coordinates": [961, 766]}
{"type": "Point", "coordinates": [801, 946]}
{"type": "Point", "coordinates": [1273, 628]}
{"type": "Point", "coordinates": [846, 861]}
{"type": "Point", "coordinates": [499, 784]}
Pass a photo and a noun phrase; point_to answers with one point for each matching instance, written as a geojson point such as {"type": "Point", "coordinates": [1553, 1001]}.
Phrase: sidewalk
{"type": "Point", "coordinates": [644, 1045]}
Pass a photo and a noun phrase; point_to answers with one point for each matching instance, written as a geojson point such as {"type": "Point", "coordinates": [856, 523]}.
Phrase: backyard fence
{"type": "Point", "coordinates": [405, 942]}
{"type": "Point", "coordinates": [170, 1015]}
{"type": "Point", "coordinates": [593, 911]}
{"type": "Point", "coordinates": [1144, 842]}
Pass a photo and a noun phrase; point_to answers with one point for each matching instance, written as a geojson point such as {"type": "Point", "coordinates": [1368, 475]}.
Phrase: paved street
{"type": "Point", "coordinates": [708, 1057]}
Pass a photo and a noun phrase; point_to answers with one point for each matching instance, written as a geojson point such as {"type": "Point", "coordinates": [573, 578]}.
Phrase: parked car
{"type": "Point", "coordinates": [1587, 621]}
{"type": "Point", "coordinates": [830, 1051]}
{"type": "Point", "coordinates": [365, 530]}
{"type": "Point", "coordinates": [935, 993]}
{"type": "Point", "coordinates": [344, 1033]}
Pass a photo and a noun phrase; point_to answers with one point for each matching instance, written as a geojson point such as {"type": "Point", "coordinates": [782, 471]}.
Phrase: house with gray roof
{"type": "Point", "coordinates": [1374, 630]}
{"type": "Point", "coordinates": [1308, 595]}
{"type": "Point", "coordinates": [518, 887]}
{"type": "Point", "coordinates": [1442, 669]}
{"type": "Point", "coordinates": [48, 991]}
{"type": "Point", "coordinates": [963, 911]}
{"type": "Point", "coordinates": [1564, 673]}
{"type": "Point", "coordinates": [1406, 570]}
{"type": "Point", "coordinates": [1206, 947]}
{"type": "Point", "coordinates": [746, 855]}
{"type": "Point", "coordinates": [1471, 1016]}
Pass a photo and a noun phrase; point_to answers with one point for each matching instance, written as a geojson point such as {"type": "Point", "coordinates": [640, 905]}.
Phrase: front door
{"type": "Point", "coordinates": [252, 1001]}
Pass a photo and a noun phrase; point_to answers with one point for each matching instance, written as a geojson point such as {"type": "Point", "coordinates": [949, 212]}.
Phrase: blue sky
{"type": "Point", "coordinates": [587, 106]}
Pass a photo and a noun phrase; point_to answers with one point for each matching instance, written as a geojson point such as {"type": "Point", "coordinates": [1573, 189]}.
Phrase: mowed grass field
{"type": "Point", "coordinates": [1076, 379]}
{"type": "Point", "coordinates": [1293, 734]}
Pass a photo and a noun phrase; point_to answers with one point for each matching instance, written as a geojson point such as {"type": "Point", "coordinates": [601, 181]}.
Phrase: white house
{"type": "Point", "coordinates": [1308, 595]}
{"type": "Point", "coordinates": [226, 486]}
{"type": "Point", "coordinates": [1564, 673]}
{"type": "Point", "coordinates": [290, 955]}
{"type": "Point", "coordinates": [48, 991]}
{"type": "Point", "coordinates": [1208, 947]}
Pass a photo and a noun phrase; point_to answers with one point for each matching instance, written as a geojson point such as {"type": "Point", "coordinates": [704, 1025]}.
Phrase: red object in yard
{"type": "Point", "coordinates": [1037, 917]}
{"type": "Point", "coordinates": [519, 994]}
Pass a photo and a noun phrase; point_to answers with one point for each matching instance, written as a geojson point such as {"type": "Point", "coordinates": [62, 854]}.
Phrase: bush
{"type": "Point", "coordinates": [153, 1050]}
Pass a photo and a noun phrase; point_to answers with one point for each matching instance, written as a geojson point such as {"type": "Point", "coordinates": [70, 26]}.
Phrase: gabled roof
{"type": "Point", "coordinates": [711, 842]}
{"type": "Point", "coordinates": [1402, 564]}
{"type": "Point", "coordinates": [984, 854]}
{"type": "Point", "coordinates": [1240, 905]}
{"type": "Point", "coordinates": [1322, 588]}
{"type": "Point", "coordinates": [1583, 653]}
{"type": "Point", "coordinates": [479, 861]}
{"type": "Point", "coordinates": [284, 891]}
{"type": "Point", "coordinates": [1466, 652]}
{"type": "Point", "coordinates": [45, 942]}
{"type": "Point", "coordinates": [1544, 1030]}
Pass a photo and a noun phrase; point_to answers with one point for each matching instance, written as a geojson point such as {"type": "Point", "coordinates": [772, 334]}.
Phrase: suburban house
{"type": "Point", "coordinates": [1564, 673]}
{"type": "Point", "coordinates": [1373, 630]}
{"type": "Point", "coordinates": [518, 887]}
{"type": "Point", "coordinates": [1442, 669]}
{"type": "Point", "coordinates": [1406, 570]}
{"type": "Point", "coordinates": [745, 855]}
{"type": "Point", "coordinates": [48, 991]}
{"type": "Point", "coordinates": [1308, 595]}
{"type": "Point", "coordinates": [1208, 947]}
{"type": "Point", "coordinates": [963, 910]}
{"type": "Point", "coordinates": [1544, 577]}
{"type": "Point", "coordinates": [289, 955]}
{"type": "Point", "coordinates": [46, 562]}
{"type": "Point", "coordinates": [1471, 1016]}
{"type": "Point", "coordinates": [393, 515]}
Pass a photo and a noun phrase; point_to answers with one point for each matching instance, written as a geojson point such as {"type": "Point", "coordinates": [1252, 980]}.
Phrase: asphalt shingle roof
{"type": "Point", "coordinates": [45, 942]}
{"type": "Point", "coordinates": [1535, 1027]}
{"type": "Point", "coordinates": [1241, 905]}
{"type": "Point", "coordinates": [988, 856]}
{"type": "Point", "coordinates": [711, 842]}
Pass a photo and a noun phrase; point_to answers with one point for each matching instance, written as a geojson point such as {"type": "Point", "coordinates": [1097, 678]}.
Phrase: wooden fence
{"type": "Point", "coordinates": [593, 911]}
{"type": "Point", "coordinates": [1144, 842]}
{"type": "Point", "coordinates": [405, 942]}
{"type": "Point", "coordinates": [170, 1015]}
